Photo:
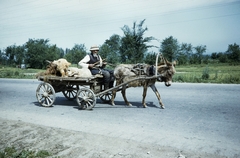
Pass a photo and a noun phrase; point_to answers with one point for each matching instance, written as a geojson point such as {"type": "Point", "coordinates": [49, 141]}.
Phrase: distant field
{"type": "Point", "coordinates": [9, 72]}
{"type": "Point", "coordinates": [211, 73]}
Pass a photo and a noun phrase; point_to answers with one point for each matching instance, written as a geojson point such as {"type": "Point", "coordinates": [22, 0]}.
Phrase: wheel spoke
{"type": "Point", "coordinates": [49, 100]}
{"type": "Point", "coordinates": [73, 93]}
{"type": "Point", "coordinates": [70, 91]}
{"type": "Point", "coordinates": [45, 94]}
{"type": "Point", "coordinates": [70, 94]}
{"type": "Point", "coordinates": [86, 98]}
{"type": "Point", "coordinates": [42, 100]}
{"type": "Point", "coordinates": [42, 89]}
{"type": "Point", "coordinates": [106, 97]}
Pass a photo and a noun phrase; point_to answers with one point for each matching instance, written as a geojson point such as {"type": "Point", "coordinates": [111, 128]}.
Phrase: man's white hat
{"type": "Point", "coordinates": [95, 47]}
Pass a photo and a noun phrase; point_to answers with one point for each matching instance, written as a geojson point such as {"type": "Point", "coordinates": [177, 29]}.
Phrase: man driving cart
{"type": "Point", "coordinates": [96, 65]}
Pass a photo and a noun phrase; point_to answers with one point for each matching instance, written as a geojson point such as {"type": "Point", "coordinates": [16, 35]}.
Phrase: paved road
{"type": "Point", "coordinates": [198, 117]}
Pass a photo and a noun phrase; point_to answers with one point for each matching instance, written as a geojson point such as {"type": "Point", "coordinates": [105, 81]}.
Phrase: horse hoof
{"type": "Point", "coordinates": [162, 107]}
{"type": "Point", "coordinates": [129, 104]}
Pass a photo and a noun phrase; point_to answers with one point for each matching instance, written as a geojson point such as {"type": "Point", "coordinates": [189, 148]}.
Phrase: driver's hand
{"type": "Point", "coordinates": [91, 65]}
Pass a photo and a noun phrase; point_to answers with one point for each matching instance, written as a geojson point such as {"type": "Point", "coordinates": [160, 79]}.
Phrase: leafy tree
{"type": "Point", "coordinates": [3, 58]}
{"type": "Point", "coordinates": [150, 58]}
{"type": "Point", "coordinates": [184, 53]}
{"type": "Point", "coordinates": [20, 55]}
{"type": "Point", "coordinates": [205, 59]}
{"type": "Point", "coordinates": [15, 54]}
{"type": "Point", "coordinates": [52, 52]}
{"type": "Point", "coordinates": [60, 51]}
{"type": "Point", "coordinates": [222, 57]}
{"type": "Point", "coordinates": [199, 53]}
{"type": "Point", "coordinates": [10, 53]}
{"type": "Point", "coordinates": [38, 51]}
{"type": "Point", "coordinates": [214, 55]}
{"type": "Point", "coordinates": [133, 44]}
{"type": "Point", "coordinates": [110, 49]}
{"type": "Point", "coordinates": [233, 52]}
{"type": "Point", "coordinates": [194, 59]}
{"type": "Point", "coordinates": [76, 53]}
{"type": "Point", "coordinates": [169, 48]}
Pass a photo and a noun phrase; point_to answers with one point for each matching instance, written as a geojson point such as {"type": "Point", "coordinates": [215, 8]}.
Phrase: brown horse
{"type": "Point", "coordinates": [126, 72]}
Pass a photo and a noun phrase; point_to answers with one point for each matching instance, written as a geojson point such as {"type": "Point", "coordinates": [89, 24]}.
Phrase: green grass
{"type": "Point", "coordinates": [204, 73]}
{"type": "Point", "coordinates": [10, 72]}
{"type": "Point", "coordinates": [208, 73]}
{"type": "Point", "coordinates": [12, 152]}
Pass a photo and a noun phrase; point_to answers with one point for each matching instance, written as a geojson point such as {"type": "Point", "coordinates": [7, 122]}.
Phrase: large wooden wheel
{"type": "Point", "coordinates": [86, 99]}
{"type": "Point", "coordinates": [106, 97]}
{"type": "Point", "coordinates": [45, 94]}
{"type": "Point", "coordinates": [71, 92]}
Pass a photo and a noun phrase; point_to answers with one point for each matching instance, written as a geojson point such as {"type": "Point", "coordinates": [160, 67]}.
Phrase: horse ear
{"type": "Point", "coordinates": [165, 61]}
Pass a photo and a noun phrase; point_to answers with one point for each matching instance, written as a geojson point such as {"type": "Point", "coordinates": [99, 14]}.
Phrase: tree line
{"type": "Point", "coordinates": [132, 47]}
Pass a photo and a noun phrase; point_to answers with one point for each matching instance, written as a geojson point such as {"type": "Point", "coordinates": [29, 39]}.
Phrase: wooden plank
{"type": "Point", "coordinates": [57, 78]}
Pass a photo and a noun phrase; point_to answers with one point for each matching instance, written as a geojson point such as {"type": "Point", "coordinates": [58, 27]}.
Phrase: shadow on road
{"type": "Point", "coordinates": [62, 101]}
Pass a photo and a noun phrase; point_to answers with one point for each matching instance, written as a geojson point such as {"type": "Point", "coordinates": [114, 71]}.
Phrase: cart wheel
{"type": "Point", "coordinates": [71, 92]}
{"type": "Point", "coordinates": [86, 98]}
{"type": "Point", "coordinates": [106, 97]}
{"type": "Point", "coordinates": [45, 94]}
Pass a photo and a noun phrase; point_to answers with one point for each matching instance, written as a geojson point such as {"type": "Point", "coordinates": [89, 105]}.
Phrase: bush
{"type": "Point", "coordinates": [232, 79]}
{"type": "Point", "coordinates": [12, 152]}
{"type": "Point", "coordinates": [179, 79]}
{"type": "Point", "coordinates": [16, 73]}
{"type": "Point", "coordinates": [205, 74]}
{"type": "Point", "coordinates": [8, 74]}
{"type": "Point", "coordinates": [196, 79]}
{"type": "Point", "coordinates": [216, 75]}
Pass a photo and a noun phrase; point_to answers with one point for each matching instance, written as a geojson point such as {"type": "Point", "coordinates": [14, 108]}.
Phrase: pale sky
{"type": "Point", "coordinates": [214, 23]}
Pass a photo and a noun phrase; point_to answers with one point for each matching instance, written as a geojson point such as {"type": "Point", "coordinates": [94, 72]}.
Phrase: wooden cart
{"type": "Point", "coordinates": [84, 90]}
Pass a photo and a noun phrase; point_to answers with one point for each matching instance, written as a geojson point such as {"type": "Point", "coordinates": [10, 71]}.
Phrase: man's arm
{"type": "Point", "coordinates": [84, 61]}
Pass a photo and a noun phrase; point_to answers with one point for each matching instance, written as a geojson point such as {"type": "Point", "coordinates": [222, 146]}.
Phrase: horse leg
{"type": "Point", "coordinates": [113, 96]}
{"type": "Point", "coordinates": [158, 95]}
{"type": "Point", "coordinates": [114, 93]}
{"type": "Point", "coordinates": [124, 95]}
{"type": "Point", "coordinates": [144, 96]}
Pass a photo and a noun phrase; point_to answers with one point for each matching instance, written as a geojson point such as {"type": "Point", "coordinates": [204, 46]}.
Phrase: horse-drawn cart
{"type": "Point", "coordinates": [84, 90]}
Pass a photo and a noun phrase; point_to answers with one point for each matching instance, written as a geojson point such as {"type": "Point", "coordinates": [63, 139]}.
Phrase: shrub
{"type": "Point", "coordinates": [16, 73]}
{"type": "Point", "coordinates": [179, 79]}
{"type": "Point", "coordinates": [8, 73]}
{"type": "Point", "coordinates": [12, 152]}
{"type": "Point", "coordinates": [232, 79]}
{"type": "Point", "coordinates": [205, 74]}
{"type": "Point", "coordinates": [216, 75]}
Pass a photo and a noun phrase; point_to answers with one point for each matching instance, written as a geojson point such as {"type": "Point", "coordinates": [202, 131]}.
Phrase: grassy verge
{"type": "Point", "coordinates": [9, 72]}
{"type": "Point", "coordinates": [12, 152]}
{"type": "Point", "coordinates": [210, 73]}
